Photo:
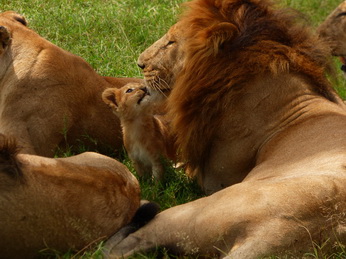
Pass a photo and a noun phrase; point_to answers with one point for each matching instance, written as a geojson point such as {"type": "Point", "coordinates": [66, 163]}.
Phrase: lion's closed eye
{"type": "Point", "coordinates": [341, 14]}
{"type": "Point", "coordinates": [169, 43]}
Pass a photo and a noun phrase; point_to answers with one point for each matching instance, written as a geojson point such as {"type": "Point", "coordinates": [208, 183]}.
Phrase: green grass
{"type": "Point", "coordinates": [110, 35]}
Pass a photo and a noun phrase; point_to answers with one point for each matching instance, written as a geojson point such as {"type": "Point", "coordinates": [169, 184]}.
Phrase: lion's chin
{"type": "Point", "coordinates": [144, 96]}
{"type": "Point", "coordinates": [156, 83]}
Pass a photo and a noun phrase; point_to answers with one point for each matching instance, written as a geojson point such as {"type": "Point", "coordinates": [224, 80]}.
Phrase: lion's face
{"type": "Point", "coordinates": [163, 60]}
{"type": "Point", "coordinates": [128, 101]}
{"type": "Point", "coordinates": [333, 29]}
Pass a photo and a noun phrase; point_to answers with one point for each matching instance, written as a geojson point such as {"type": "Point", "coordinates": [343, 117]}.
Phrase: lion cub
{"type": "Point", "coordinates": [146, 135]}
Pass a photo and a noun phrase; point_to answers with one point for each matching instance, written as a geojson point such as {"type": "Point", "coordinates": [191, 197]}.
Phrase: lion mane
{"type": "Point", "coordinates": [263, 131]}
{"type": "Point", "coordinates": [229, 44]}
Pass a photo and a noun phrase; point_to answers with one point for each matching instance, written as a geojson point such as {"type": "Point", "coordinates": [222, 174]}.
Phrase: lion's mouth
{"type": "Point", "coordinates": [145, 93]}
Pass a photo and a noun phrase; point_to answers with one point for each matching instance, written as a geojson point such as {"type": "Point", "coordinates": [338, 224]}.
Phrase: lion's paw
{"type": "Point", "coordinates": [5, 39]}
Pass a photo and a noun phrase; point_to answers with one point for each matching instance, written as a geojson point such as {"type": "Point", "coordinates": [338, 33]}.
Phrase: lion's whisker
{"type": "Point", "coordinates": [160, 88]}
{"type": "Point", "coordinates": [156, 86]}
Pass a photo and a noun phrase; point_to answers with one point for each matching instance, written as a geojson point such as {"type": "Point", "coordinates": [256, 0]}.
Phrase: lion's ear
{"type": "Point", "coordinates": [21, 19]}
{"type": "Point", "coordinates": [217, 35]}
{"type": "Point", "coordinates": [17, 17]}
{"type": "Point", "coordinates": [109, 97]}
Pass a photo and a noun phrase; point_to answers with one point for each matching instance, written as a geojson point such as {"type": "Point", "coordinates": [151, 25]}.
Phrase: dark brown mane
{"type": "Point", "coordinates": [8, 152]}
{"type": "Point", "coordinates": [229, 43]}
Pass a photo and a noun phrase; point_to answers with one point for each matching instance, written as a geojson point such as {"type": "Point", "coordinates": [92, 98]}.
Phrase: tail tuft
{"type": "Point", "coordinates": [146, 212]}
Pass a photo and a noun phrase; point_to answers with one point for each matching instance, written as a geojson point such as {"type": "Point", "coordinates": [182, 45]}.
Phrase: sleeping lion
{"type": "Point", "coordinates": [50, 97]}
{"type": "Point", "coordinates": [61, 204]}
{"type": "Point", "coordinates": [259, 125]}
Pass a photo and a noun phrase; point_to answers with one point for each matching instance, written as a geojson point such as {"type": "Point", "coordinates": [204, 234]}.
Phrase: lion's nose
{"type": "Point", "coordinates": [141, 65]}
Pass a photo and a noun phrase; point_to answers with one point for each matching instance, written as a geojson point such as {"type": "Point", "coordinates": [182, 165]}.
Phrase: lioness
{"type": "Point", "coordinates": [63, 203]}
{"type": "Point", "coordinates": [49, 96]}
{"type": "Point", "coordinates": [146, 135]}
{"type": "Point", "coordinates": [252, 108]}
{"type": "Point", "coordinates": [333, 29]}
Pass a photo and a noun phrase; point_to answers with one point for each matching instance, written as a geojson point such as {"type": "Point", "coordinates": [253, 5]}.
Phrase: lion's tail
{"type": "Point", "coordinates": [146, 212]}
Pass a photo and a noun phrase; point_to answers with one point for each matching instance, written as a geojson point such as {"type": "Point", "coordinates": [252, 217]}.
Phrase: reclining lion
{"type": "Point", "coordinates": [222, 147]}
{"type": "Point", "coordinates": [333, 29]}
{"type": "Point", "coordinates": [61, 204]}
{"type": "Point", "coordinates": [252, 110]}
{"type": "Point", "coordinates": [50, 97]}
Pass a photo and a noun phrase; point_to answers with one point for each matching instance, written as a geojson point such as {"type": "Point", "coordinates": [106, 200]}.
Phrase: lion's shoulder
{"type": "Point", "coordinates": [232, 44]}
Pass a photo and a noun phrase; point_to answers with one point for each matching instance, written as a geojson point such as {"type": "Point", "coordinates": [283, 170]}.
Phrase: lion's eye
{"type": "Point", "coordinates": [129, 90]}
{"type": "Point", "coordinates": [170, 42]}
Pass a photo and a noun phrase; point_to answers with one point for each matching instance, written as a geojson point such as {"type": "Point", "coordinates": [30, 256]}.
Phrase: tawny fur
{"type": "Point", "coordinates": [163, 61]}
{"type": "Point", "coordinates": [50, 98]}
{"type": "Point", "coordinates": [61, 204]}
{"type": "Point", "coordinates": [147, 136]}
{"type": "Point", "coordinates": [264, 40]}
{"type": "Point", "coordinates": [262, 127]}
{"type": "Point", "coordinates": [277, 46]}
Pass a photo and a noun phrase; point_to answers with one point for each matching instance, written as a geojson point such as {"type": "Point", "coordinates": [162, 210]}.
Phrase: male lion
{"type": "Point", "coordinates": [49, 96]}
{"type": "Point", "coordinates": [252, 105]}
{"type": "Point", "coordinates": [333, 29]}
{"type": "Point", "coordinates": [63, 203]}
{"type": "Point", "coordinates": [222, 146]}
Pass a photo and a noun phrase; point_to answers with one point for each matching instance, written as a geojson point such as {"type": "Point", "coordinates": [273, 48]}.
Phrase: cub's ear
{"type": "Point", "coordinates": [219, 34]}
{"type": "Point", "coordinates": [109, 97]}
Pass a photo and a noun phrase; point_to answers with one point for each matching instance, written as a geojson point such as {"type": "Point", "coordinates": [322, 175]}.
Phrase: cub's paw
{"type": "Point", "coordinates": [5, 39]}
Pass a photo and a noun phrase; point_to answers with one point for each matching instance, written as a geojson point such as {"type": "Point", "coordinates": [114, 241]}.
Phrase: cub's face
{"type": "Point", "coordinates": [129, 101]}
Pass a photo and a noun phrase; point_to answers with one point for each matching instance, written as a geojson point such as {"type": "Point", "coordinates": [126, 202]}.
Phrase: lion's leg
{"type": "Point", "coordinates": [160, 232]}
{"type": "Point", "coordinates": [5, 39]}
{"type": "Point", "coordinates": [269, 237]}
{"type": "Point", "coordinates": [191, 228]}
{"type": "Point", "coordinates": [245, 220]}
{"type": "Point", "coordinates": [141, 168]}
{"type": "Point", "coordinates": [157, 170]}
